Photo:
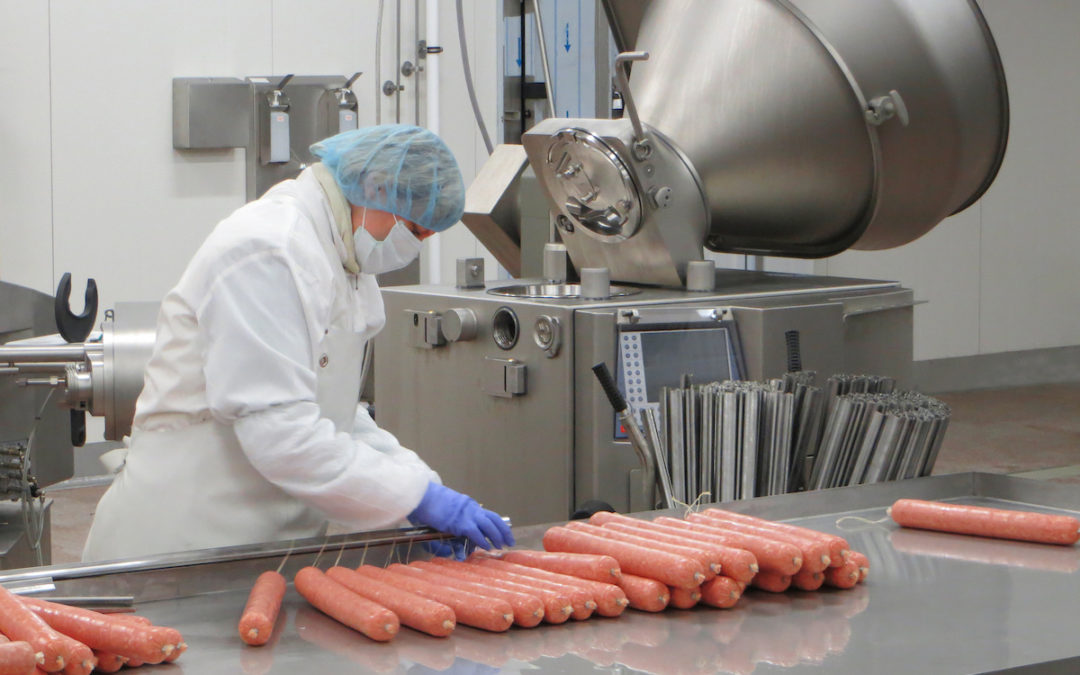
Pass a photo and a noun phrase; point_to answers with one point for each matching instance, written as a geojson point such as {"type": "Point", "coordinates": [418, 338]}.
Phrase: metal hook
{"type": "Point", "coordinates": [75, 327]}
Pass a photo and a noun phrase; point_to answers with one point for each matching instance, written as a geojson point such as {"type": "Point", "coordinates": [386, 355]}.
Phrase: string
{"type": "Point", "coordinates": [281, 565]}
{"type": "Point", "coordinates": [859, 519]}
{"type": "Point", "coordinates": [694, 505]}
{"type": "Point", "coordinates": [408, 551]}
{"type": "Point", "coordinates": [363, 556]}
{"type": "Point", "coordinates": [340, 551]}
{"type": "Point", "coordinates": [321, 549]}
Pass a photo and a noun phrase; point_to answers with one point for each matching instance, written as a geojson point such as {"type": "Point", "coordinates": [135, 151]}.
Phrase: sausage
{"type": "Point", "coordinates": [845, 576]}
{"type": "Point", "coordinates": [20, 624]}
{"type": "Point", "coordinates": [722, 592]}
{"type": "Point", "coordinates": [815, 554]}
{"type": "Point", "coordinates": [528, 609]}
{"type": "Point", "coordinates": [682, 598]}
{"type": "Point", "coordinates": [609, 598]}
{"type": "Point", "coordinates": [775, 556]}
{"type": "Point", "coordinates": [261, 611]}
{"type": "Point", "coordinates": [771, 581]}
{"type": "Point", "coordinates": [838, 546]}
{"type": "Point", "coordinates": [708, 559]}
{"type": "Point", "coordinates": [805, 580]}
{"type": "Point", "coordinates": [669, 568]}
{"type": "Point", "coordinates": [100, 631]}
{"type": "Point", "coordinates": [645, 594]}
{"type": "Point", "coordinates": [483, 612]}
{"type": "Point", "coordinates": [107, 662]}
{"type": "Point", "coordinates": [336, 601]}
{"type": "Point", "coordinates": [983, 521]}
{"type": "Point", "coordinates": [582, 602]}
{"type": "Point", "coordinates": [414, 611]}
{"type": "Point", "coordinates": [863, 562]}
{"type": "Point", "coordinates": [602, 568]}
{"type": "Point", "coordinates": [17, 658]}
{"type": "Point", "coordinates": [556, 607]}
{"type": "Point", "coordinates": [735, 562]}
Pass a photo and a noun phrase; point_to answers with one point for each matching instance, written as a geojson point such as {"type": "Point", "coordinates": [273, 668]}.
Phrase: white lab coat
{"type": "Point", "coordinates": [247, 428]}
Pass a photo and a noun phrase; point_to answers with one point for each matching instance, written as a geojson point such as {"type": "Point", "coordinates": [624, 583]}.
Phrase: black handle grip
{"type": "Point", "coordinates": [78, 428]}
{"type": "Point", "coordinates": [606, 381]}
{"type": "Point", "coordinates": [75, 327]}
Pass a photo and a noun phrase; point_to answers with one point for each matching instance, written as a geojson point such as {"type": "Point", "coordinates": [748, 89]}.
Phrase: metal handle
{"type": "Point", "coordinates": [612, 392]}
{"type": "Point", "coordinates": [284, 81]}
{"type": "Point", "coordinates": [75, 327]}
{"type": "Point", "coordinates": [642, 149]}
{"type": "Point", "coordinates": [354, 78]}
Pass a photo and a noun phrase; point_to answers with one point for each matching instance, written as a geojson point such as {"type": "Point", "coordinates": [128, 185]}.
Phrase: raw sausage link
{"type": "Point", "coordinates": [602, 568]}
{"type": "Point", "coordinates": [815, 554]}
{"type": "Point", "coordinates": [582, 602]}
{"type": "Point", "coordinates": [528, 609]}
{"type": "Point", "coordinates": [772, 555]}
{"type": "Point", "coordinates": [107, 662]}
{"type": "Point", "coordinates": [771, 582]}
{"type": "Point", "coordinates": [864, 564]}
{"type": "Point", "coordinates": [338, 602]}
{"type": "Point", "coordinates": [805, 580]}
{"type": "Point", "coordinates": [414, 611]}
{"type": "Point", "coordinates": [610, 599]}
{"type": "Point", "coordinates": [17, 658]}
{"type": "Point", "coordinates": [845, 576]}
{"type": "Point", "coordinates": [986, 522]}
{"type": "Point", "coordinates": [707, 557]}
{"type": "Point", "coordinates": [172, 638]}
{"type": "Point", "coordinates": [261, 611]}
{"type": "Point", "coordinates": [535, 605]}
{"type": "Point", "coordinates": [682, 598]}
{"type": "Point", "coordinates": [19, 623]}
{"type": "Point", "coordinates": [479, 612]}
{"type": "Point", "coordinates": [78, 658]}
{"type": "Point", "coordinates": [671, 569]}
{"type": "Point", "coordinates": [100, 631]}
{"type": "Point", "coordinates": [722, 592]}
{"type": "Point", "coordinates": [736, 563]}
{"type": "Point", "coordinates": [647, 595]}
{"type": "Point", "coordinates": [838, 546]}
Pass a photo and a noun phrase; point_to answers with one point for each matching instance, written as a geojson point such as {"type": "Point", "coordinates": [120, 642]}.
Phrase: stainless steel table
{"type": "Point", "coordinates": [934, 603]}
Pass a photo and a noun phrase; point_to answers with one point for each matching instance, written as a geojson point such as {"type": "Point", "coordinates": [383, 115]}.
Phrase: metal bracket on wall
{"type": "Point", "coordinates": [216, 113]}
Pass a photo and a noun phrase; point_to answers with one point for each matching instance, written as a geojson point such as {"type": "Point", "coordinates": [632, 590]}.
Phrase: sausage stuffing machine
{"type": "Point", "coordinates": [795, 128]}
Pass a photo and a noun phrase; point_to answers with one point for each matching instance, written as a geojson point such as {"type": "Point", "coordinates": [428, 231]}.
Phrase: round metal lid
{"type": "Point", "coordinates": [555, 291]}
{"type": "Point", "coordinates": [593, 185]}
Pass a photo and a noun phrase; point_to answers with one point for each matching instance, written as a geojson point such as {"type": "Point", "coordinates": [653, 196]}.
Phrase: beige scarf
{"type": "Point", "coordinates": [342, 212]}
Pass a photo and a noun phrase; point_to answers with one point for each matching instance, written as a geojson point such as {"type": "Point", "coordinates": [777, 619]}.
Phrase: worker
{"type": "Point", "coordinates": [247, 428]}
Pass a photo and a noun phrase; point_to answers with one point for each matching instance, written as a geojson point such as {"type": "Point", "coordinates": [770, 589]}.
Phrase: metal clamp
{"type": "Point", "coordinates": [75, 327]}
{"type": "Point", "coordinates": [883, 108]}
{"type": "Point", "coordinates": [641, 149]}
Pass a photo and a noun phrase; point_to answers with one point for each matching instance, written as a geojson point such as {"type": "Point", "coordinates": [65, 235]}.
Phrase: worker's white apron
{"type": "Point", "coordinates": [193, 488]}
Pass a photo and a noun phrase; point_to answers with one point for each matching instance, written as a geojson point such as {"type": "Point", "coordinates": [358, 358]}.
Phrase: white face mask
{"type": "Point", "coordinates": [398, 249]}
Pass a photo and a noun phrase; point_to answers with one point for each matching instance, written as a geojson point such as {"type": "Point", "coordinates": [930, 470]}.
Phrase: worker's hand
{"type": "Point", "coordinates": [449, 511]}
{"type": "Point", "coordinates": [450, 548]}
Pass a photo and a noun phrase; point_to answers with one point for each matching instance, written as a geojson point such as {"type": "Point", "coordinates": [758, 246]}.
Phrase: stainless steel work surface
{"type": "Point", "coordinates": [934, 603]}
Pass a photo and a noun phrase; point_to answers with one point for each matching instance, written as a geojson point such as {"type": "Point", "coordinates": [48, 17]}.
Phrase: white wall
{"type": "Point", "coordinates": [1003, 275]}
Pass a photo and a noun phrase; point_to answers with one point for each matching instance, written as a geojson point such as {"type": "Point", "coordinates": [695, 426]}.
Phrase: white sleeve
{"type": "Point", "coordinates": [260, 379]}
{"type": "Point", "coordinates": [366, 431]}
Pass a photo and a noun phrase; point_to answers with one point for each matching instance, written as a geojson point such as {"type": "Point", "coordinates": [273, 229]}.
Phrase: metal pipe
{"type": "Point", "coordinates": [14, 355]}
{"type": "Point", "coordinates": [543, 57]}
{"type": "Point", "coordinates": [464, 46]}
{"type": "Point", "coordinates": [378, 64]}
{"type": "Point", "coordinates": [397, 65]}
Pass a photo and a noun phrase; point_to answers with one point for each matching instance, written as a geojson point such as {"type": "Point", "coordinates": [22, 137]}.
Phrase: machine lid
{"type": "Point", "coordinates": [555, 291]}
{"type": "Point", "coordinates": [593, 186]}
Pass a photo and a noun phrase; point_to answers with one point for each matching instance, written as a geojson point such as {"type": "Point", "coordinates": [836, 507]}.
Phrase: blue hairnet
{"type": "Point", "coordinates": [398, 168]}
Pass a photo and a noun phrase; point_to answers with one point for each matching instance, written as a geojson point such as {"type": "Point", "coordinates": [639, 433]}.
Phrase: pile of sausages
{"type": "Point", "coordinates": [711, 557]}
{"type": "Point", "coordinates": [595, 568]}
{"type": "Point", "coordinates": [38, 636]}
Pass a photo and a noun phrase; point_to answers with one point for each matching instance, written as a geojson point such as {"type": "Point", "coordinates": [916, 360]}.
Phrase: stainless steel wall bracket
{"type": "Point", "coordinates": [504, 378]}
{"type": "Point", "coordinates": [425, 329]}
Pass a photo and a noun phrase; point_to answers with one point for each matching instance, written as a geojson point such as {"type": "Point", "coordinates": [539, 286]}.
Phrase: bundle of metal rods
{"type": "Point", "coordinates": [742, 439]}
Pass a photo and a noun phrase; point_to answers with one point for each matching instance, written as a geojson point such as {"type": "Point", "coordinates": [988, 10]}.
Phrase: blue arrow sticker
{"type": "Point", "coordinates": [567, 45]}
{"type": "Point", "coordinates": [519, 53]}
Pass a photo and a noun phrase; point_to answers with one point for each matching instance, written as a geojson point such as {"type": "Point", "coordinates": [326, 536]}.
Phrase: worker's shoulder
{"type": "Point", "coordinates": [268, 227]}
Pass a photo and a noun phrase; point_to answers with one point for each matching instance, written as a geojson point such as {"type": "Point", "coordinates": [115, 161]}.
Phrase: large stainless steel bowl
{"type": "Point", "coordinates": [768, 99]}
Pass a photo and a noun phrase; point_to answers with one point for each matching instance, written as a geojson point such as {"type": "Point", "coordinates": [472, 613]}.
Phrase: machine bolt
{"type": "Point", "coordinates": [565, 224]}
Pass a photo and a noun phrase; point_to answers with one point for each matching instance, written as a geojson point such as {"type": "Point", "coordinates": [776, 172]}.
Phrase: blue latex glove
{"type": "Point", "coordinates": [451, 548]}
{"type": "Point", "coordinates": [449, 511]}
